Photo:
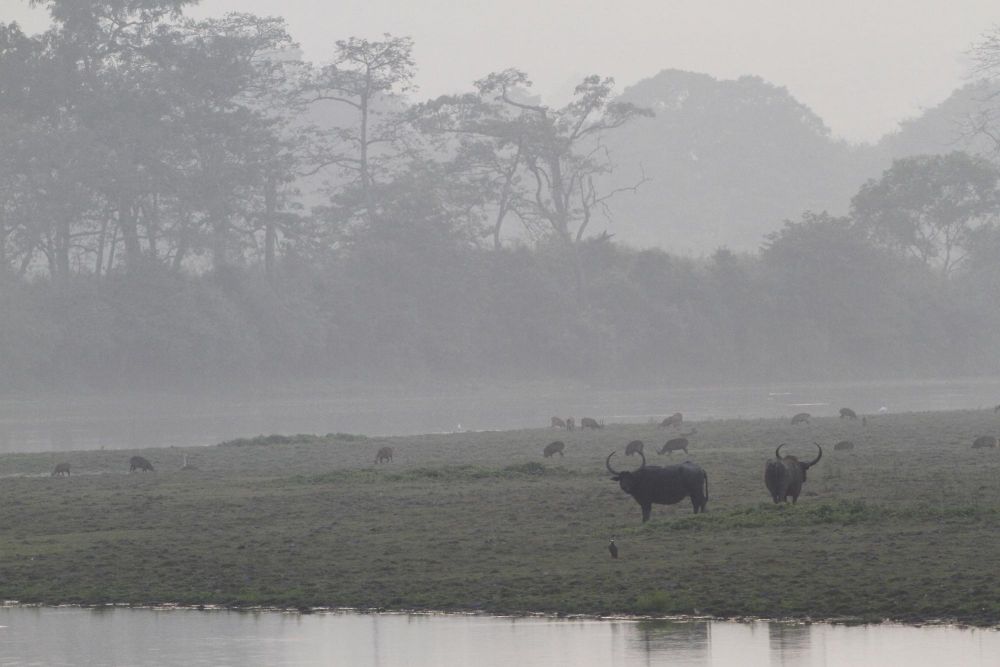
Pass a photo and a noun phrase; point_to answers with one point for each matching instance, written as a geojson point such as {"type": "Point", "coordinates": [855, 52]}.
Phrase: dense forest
{"type": "Point", "coordinates": [188, 203]}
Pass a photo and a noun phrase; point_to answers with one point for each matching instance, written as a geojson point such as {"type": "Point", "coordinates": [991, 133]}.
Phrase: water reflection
{"type": "Point", "coordinates": [686, 642]}
{"type": "Point", "coordinates": [789, 642]}
{"type": "Point", "coordinates": [68, 636]}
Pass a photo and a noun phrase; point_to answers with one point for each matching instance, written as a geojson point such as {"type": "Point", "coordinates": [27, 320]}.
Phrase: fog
{"type": "Point", "coordinates": [202, 206]}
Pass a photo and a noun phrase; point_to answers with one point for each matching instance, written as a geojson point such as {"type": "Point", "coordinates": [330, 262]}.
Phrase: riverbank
{"type": "Point", "coordinates": [904, 527]}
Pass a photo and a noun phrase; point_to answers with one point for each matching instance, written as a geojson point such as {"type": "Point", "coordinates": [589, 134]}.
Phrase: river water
{"type": "Point", "coordinates": [136, 637]}
{"type": "Point", "coordinates": [89, 422]}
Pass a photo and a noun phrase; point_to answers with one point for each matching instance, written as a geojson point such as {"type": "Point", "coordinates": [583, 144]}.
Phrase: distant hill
{"type": "Point", "coordinates": [943, 128]}
{"type": "Point", "coordinates": [729, 161]}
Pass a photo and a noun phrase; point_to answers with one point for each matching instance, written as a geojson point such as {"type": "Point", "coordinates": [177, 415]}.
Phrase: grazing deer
{"type": "Point", "coordinates": [140, 463]}
{"type": "Point", "coordinates": [554, 448]}
{"type": "Point", "coordinates": [674, 420]}
{"type": "Point", "coordinates": [677, 444]}
{"type": "Point", "coordinates": [634, 447]}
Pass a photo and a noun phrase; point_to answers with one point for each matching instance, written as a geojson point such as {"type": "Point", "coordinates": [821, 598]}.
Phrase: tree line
{"type": "Point", "coordinates": [188, 202]}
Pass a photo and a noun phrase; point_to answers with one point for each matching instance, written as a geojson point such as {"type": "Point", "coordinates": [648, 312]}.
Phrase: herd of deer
{"type": "Point", "coordinates": [680, 443]}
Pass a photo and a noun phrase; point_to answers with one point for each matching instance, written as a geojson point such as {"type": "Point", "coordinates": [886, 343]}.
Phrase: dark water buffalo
{"type": "Point", "coordinates": [384, 455]}
{"type": "Point", "coordinates": [634, 447]}
{"type": "Point", "coordinates": [587, 422]}
{"type": "Point", "coordinates": [844, 446]}
{"type": "Point", "coordinates": [558, 423]}
{"type": "Point", "coordinates": [675, 419]}
{"type": "Point", "coordinates": [570, 424]}
{"type": "Point", "coordinates": [784, 475]}
{"type": "Point", "coordinates": [847, 413]}
{"type": "Point", "coordinates": [61, 470]}
{"type": "Point", "coordinates": [677, 444]}
{"type": "Point", "coordinates": [984, 442]}
{"type": "Point", "coordinates": [663, 485]}
{"type": "Point", "coordinates": [554, 448]}
{"type": "Point", "coordinates": [139, 463]}
{"type": "Point", "coordinates": [801, 418]}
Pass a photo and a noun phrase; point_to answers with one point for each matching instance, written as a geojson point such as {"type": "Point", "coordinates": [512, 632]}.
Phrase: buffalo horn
{"type": "Point", "coordinates": [608, 464]}
{"type": "Point", "coordinates": [777, 452]}
{"type": "Point", "coordinates": [809, 465]}
{"type": "Point", "coordinates": [643, 461]}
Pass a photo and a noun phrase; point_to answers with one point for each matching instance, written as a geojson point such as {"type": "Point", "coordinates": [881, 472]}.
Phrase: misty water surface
{"type": "Point", "coordinates": [182, 420]}
{"type": "Point", "coordinates": [70, 636]}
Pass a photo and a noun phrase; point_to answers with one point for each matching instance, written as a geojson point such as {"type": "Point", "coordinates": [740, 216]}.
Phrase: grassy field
{"type": "Point", "coordinates": [905, 527]}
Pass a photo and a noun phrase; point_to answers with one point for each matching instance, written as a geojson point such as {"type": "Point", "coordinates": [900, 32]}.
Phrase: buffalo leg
{"type": "Point", "coordinates": [646, 509]}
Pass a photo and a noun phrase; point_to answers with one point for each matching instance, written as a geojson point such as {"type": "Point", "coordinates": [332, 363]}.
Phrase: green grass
{"type": "Point", "coordinates": [905, 527]}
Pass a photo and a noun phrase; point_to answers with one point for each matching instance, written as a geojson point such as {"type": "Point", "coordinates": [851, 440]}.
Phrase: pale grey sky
{"type": "Point", "coordinates": [861, 65]}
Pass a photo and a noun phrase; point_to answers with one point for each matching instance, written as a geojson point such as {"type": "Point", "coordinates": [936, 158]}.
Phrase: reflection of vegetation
{"type": "Point", "coordinates": [788, 638]}
{"type": "Point", "coordinates": [673, 635]}
{"type": "Point", "coordinates": [905, 529]}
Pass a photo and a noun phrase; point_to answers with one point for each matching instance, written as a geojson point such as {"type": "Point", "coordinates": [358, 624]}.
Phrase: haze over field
{"type": "Point", "coordinates": [629, 196]}
{"type": "Point", "coordinates": [862, 67]}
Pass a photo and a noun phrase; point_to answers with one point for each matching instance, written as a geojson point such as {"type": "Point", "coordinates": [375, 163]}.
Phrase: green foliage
{"type": "Point", "coordinates": [655, 602]}
{"type": "Point", "coordinates": [263, 440]}
{"type": "Point", "coordinates": [929, 206]}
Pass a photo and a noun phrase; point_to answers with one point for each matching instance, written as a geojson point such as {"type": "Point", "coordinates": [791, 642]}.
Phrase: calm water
{"type": "Point", "coordinates": [68, 636]}
{"type": "Point", "coordinates": [184, 420]}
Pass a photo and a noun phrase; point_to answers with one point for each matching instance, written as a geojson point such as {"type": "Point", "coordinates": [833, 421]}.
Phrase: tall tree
{"type": "Point", "coordinates": [986, 65]}
{"type": "Point", "coordinates": [927, 206]}
{"type": "Point", "coordinates": [231, 148]}
{"type": "Point", "coordinates": [546, 160]}
{"type": "Point", "coordinates": [364, 76]}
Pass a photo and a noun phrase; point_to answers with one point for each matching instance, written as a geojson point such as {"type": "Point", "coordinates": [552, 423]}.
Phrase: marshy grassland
{"type": "Point", "coordinates": [904, 527]}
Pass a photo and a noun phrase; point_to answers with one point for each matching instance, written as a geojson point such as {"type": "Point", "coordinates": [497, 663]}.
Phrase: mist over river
{"type": "Point", "coordinates": [182, 420]}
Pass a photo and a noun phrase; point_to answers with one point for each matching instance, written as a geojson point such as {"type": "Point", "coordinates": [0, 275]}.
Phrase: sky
{"type": "Point", "coordinates": [862, 65]}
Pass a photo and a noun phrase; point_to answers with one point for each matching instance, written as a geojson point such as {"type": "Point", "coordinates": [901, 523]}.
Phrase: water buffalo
{"type": "Point", "coordinates": [384, 455]}
{"type": "Point", "coordinates": [664, 485]}
{"type": "Point", "coordinates": [847, 413]}
{"type": "Point", "coordinates": [60, 470]}
{"type": "Point", "coordinates": [784, 476]}
{"type": "Point", "coordinates": [558, 423]}
{"type": "Point", "coordinates": [633, 447]}
{"type": "Point", "coordinates": [984, 442]}
{"type": "Point", "coordinates": [801, 418]}
{"type": "Point", "coordinates": [587, 422]}
{"type": "Point", "coordinates": [139, 463]}
{"type": "Point", "coordinates": [675, 419]}
{"type": "Point", "coordinates": [677, 444]}
{"type": "Point", "coordinates": [844, 445]}
{"type": "Point", "coordinates": [570, 424]}
{"type": "Point", "coordinates": [554, 448]}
